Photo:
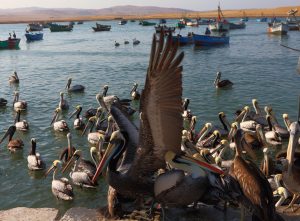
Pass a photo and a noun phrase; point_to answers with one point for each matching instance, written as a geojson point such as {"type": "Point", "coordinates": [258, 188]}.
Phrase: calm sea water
{"type": "Point", "coordinates": [256, 63]}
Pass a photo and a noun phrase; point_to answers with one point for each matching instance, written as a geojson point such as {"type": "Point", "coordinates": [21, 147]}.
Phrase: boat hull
{"type": "Point", "coordinates": [34, 37]}
{"type": "Point", "coordinates": [10, 43]}
{"type": "Point", "coordinates": [240, 25]}
{"type": "Point", "coordinates": [60, 28]}
{"type": "Point", "coordinates": [208, 40]}
{"type": "Point", "coordinates": [183, 40]}
{"type": "Point", "coordinates": [219, 27]}
{"type": "Point", "coordinates": [278, 29]}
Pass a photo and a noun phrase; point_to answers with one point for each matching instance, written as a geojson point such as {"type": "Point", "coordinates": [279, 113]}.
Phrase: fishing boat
{"type": "Point", "coordinates": [147, 23]}
{"type": "Point", "coordinates": [34, 27]}
{"type": "Point", "coordinates": [164, 28]}
{"type": "Point", "coordinates": [79, 22]}
{"type": "Point", "coordinates": [221, 24]}
{"type": "Point", "coordinates": [100, 27]}
{"type": "Point", "coordinates": [162, 21]}
{"type": "Point", "coordinates": [205, 21]}
{"type": "Point", "coordinates": [123, 22]}
{"type": "Point", "coordinates": [11, 43]}
{"type": "Point", "coordinates": [245, 18]}
{"type": "Point", "coordinates": [71, 23]}
{"type": "Point", "coordinates": [132, 20]}
{"type": "Point", "coordinates": [60, 28]}
{"type": "Point", "coordinates": [180, 25]}
{"type": "Point", "coordinates": [46, 24]}
{"type": "Point", "coordinates": [34, 36]}
{"type": "Point", "coordinates": [239, 25]}
{"type": "Point", "coordinates": [262, 18]}
{"type": "Point", "coordinates": [183, 40]}
{"type": "Point", "coordinates": [210, 40]}
{"type": "Point", "coordinates": [192, 23]}
{"type": "Point", "coordinates": [278, 28]}
{"type": "Point", "coordinates": [292, 21]}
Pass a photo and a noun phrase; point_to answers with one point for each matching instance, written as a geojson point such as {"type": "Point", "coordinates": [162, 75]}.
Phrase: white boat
{"type": "Point", "coordinates": [192, 23]}
{"type": "Point", "coordinates": [292, 21]}
{"type": "Point", "coordinates": [278, 28]}
{"type": "Point", "coordinates": [221, 24]}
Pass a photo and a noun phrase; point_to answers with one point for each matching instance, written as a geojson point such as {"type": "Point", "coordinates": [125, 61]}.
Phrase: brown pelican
{"type": "Point", "coordinates": [203, 133]}
{"type": "Point", "coordinates": [256, 191]}
{"type": "Point", "coordinates": [21, 125]}
{"type": "Point", "coordinates": [79, 177]}
{"type": "Point", "coordinates": [135, 95]}
{"type": "Point", "coordinates": [186, 145]}
{"type": "Point", "coordinates": [174, 188]}
{"type": "Point", "coordinates": [63, 104]}
{"type": "Point", "coordinates": [59, 125]}
{"type": "Point", "coordinates": [144, 150]}
{"type": "Point", "coordinates": [78, 122]}
{"type": "Point", "coordinates": [282, 131]}
{"type": "Point", "coordinates": [61, 188]}
{"type": "Point", "coordinates": [19, 105]}
{"type": "Point", "coordinates": [117, 44]}
{"type": "Point", "coordinates": [258, 116]}
{"type": "Point", "coordinates": [287, 123]}
{"type": "Point", "coordinates": [210, 141]}
{"type": "Point", "coordinates": [14, 78]}
{"type": "Point", "coordinates": [135, 41]}
{"type": "Point", "coordinates": [67, 153]}
{"type": "Point", "coordinates": [13, 144]}
{"type": "Point", "coordinates": [225, 125]}
{"type": "Point", "coordinates": [271, 136]}
{"type": "Point", "coordinates": [3, 102]}
{"type": "Point", "coordinates": [34, 159]}
{"type": "Point", "coordinates": [291, 171]}
{"type": "Point", "coordinates": [280, 190]}
{"type": "Point", "coordinates": [267, 166]}
{"type": "Point", "coordinates": [222, 84]}
{"type": "Point", "coordinates": [75, 88]}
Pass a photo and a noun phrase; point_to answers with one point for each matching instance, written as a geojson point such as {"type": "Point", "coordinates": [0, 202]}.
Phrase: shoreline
{"type": "Point", "coordinates": [251, 13]}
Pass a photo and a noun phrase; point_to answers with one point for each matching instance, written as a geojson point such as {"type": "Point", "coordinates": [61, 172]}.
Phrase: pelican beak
{"type": "Point", "coordinates": [108, 155]}
{"type": "Point", "coordinates": [241, 115]}
{"type": "Point", "coordinates": [49, 170]}
{"type": "Point", "coordinates": [200, 133]}
{"type": "Point", "coordinates": [73, 159]}
{"type": "Point", "coordinates": [10, 132]}
{"type": "Point", "coordinates": [54, 117]}
{"type": "Point", "coordinates": [202, 164]}
{"type": "Point", "coordinates": [91, 122]}
{"type": "Point", "coordinates": [74, 113]}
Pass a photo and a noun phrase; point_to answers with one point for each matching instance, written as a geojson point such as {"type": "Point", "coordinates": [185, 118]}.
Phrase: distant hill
{"type": "Point", "coordinates": [36, 14]}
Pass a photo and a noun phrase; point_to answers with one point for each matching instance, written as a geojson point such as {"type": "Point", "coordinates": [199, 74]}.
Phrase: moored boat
{"type": "Point", "coordinates": [192, 23]}
{"type": "Point", "coordinates": [34, 36]}
{"type": "Point", "coordinates": [292, 21]}
{"type": "Point", "coordinates": [123, 22]}
{"type": "Point", "coordinates": [245, 18]}
{"type": "Point", "coordinates": [183, 40]}
{"type": "Point", "coordinates": [239, 25]}
{"type": "Point", "coordinates": [164, 28]}
{"type": "Point", "coordinates": [162, 21]}
{"type": "Point", "coordinates": [79, 22]}
{"type": "Point", "coordinates": [147, 23]}
{"type": "Point", "coordinates": [180, 25]}
{"type": "Point", "coordinates": [100, 27]}
{"type": "Point", "coordinates": [11, 43]}
{"type": "Point", "coordinates": [209, 40]}
{"type": "Point", "coordinates": [205, 21]}
{"type": "Point", "coordinates": [278, 28]}
{"type": "Point", "coordinates": [262, 19]}
{"type": "Point", "coordinates": [34, 27]}
{"type": "Point", "coordinates": [60, 28]}
{"type": "Point", "coordinates": [221, 24]}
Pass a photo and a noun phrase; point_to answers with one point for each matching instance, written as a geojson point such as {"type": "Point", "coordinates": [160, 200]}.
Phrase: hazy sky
{"type": "Point", "coordinates": [188, 4]}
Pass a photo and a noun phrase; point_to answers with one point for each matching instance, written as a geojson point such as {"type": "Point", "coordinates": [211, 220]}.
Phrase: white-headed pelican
{"type": "Point", "coordinates": [21, 125]}
{"type": "Point", "coordinates": [18, 104]}
{"type": "Point", "coordinates": [59, 125]}
{"type": "Point", "coordinates": [63, 104]}
{"type": "Point", "coordinates": [34, 159]}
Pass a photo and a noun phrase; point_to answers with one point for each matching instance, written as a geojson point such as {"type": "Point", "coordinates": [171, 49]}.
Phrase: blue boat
{"type": "Point", "coordinates": [34, 36]}
{"type": "Point", "coordinates": [264, 19]}
{"type": "Point", "coordinates": [183, 40]}
{"type": "Point", "coordinates": [209, 40]}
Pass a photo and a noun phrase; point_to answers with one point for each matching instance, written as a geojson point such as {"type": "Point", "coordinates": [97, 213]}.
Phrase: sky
{"type": "Point", "coordinates": [197, 5]}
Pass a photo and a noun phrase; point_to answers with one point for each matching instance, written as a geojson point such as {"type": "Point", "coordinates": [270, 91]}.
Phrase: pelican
{"type": "Point", "coordinates": [281, 191]}
{"type": "Point", "coordinates": [287, 123]}
{"type": "Point", "coordinates": [144, 150]}
{"type": "Point", "coordinates": [21, 125]}
{"type": "Point", "coordinates": [258, 116]}
{"type": "Point", "coordinates": [291, 171]}
{"type": "Point", "coordinates": [75, 88]}
{"type": "Point", "coordinates": [19, 105]}
{"type": "Point", "coordinates": [117, 44]}
{"type": "Point", "coordinates": [256, 191]}
{"type": "Point", "coordinates": [13, 144]}
{"type": "Point", "coordinates": [222, 84]}
{"type": "Point", "coordinates": [61, 188]}
{"type": "Point", "coordinates": [59, 125]}
{"type": "Point", "coordinates": [78, 122]}
{"type": "Point", "coordinates": [14, 78]}
{"type": "Point", "coordinates": [80, 178]}
{"type": "Point", "coordinates": [3, 102]}
{"type": "Point", "coordinates": [67, 153]}
{"type": "Point", "coordinates": [135, 95]}
{"type": "Point", "coordinates": [34, 159]}
{"type": "Point", "coordinates": [208, 142]}
{"type": "Point", "coordinates": [126, 42]}
{"type": "Point", "coordinates": [267, 166]}
{"type": "Point", "coordinates": [63, 104]}
{"type": "Point", "coordinates": [135, 41]}
{"type": "Point", "coordinates": [225, 129]}
{"type": "Point", "coordinates": [282, 131]}
{"type": "Point", "coordinates": [174, 188]}
{"type": "Point", "coordinates": [271, 136]}
{"type": "Point", "coordinates": [203, 132]}
{"type": "Point", "coordinates": [185, 104]}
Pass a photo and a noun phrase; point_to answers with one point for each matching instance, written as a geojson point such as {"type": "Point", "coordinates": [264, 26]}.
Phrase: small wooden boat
{"type": "Point", "coordinates": [132, 20]}
{"type": "Point", "coordinates": [34, 27]}
{"type": "Point", "coordinates": [71, 23]}
{"type": "Point", "coordinates": [11, 43]}
{"type": "Point", "coordinates": [60, 28]}
{"type": "Point", "coordinates": [100, 27]}
{"type": "Point", "coordinates": [278, 28]}
{"type": "Point", "coordinates": [123, 22]}
{"type": "Point", "coordinates": [164, 28]}
{"type": "Point", "coordinates": [34, 36]}
{"type": "Point", "coordinates": [292, 21]}
{"type": "Point", "coordinates": [239, 25]}
{"type": "Point", "coordinates": [183, 40]}
{"type": "Point", "coordinates": [79, 22]}
{"type": "Point", "coordinates": [209, 40]}
{"type": "Point", "coordinates": [192, 24]}
{"type": "Point", "coordinates": [147, 23]}
{"type": "Point", "coordinates": [205, 21]}
{"type": "Point", "coordinates": [221, 24]}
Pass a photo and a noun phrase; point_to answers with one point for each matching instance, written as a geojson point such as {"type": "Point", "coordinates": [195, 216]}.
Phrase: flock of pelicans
{"type": "Point", "coordinates": [165, 159]}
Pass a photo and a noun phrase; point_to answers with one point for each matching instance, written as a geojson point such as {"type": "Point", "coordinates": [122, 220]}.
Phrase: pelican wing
{"type": "Point", "coordinates": [161, 105]}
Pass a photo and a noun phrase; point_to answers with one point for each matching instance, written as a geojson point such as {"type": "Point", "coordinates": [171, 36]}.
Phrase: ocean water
{"type": "Point", "coordinates": [254, 61]}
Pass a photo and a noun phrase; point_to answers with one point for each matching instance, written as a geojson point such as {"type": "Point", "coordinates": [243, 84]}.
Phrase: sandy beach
{"type": "Point", "coordinates": [252, 13]}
